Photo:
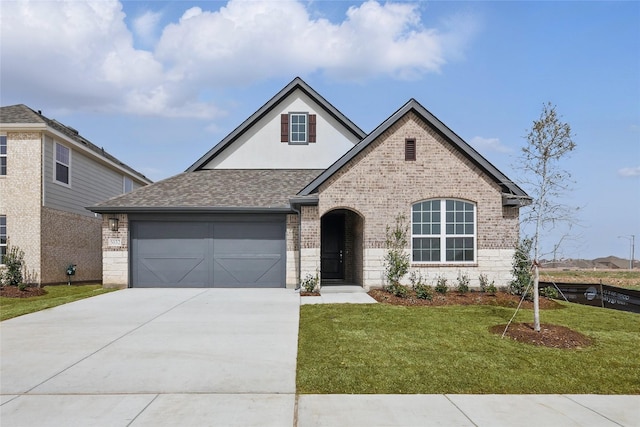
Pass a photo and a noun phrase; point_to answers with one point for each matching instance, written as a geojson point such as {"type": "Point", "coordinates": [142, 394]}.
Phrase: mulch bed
{"type": "Point", "coordinates": [554, 336]}
{"type": "Point", "coordinates": [15, 292]}
{"type": "Point", "coordinates": [309, 294]}
{"type": "Point", "coordinates": [503, 299]}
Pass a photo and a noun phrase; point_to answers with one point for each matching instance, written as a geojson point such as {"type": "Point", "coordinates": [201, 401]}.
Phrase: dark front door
{"type": "Point", "coordinates": [332, 246]}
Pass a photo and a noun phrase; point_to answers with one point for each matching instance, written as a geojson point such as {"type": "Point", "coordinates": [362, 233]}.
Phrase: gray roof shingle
{"type": "Point", "coordinates": [217, 189]}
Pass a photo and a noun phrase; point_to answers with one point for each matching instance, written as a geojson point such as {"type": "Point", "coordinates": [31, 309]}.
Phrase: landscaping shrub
{"type": "Point", "coordinates": [310, 282]}
{"type": "Point", "coordinates": [486, 286]}
{"type": "Point", "coordinates": [522, 269]}
{"type": "Point", "coordinates": [463, 283]}
{"type": "Point", "coordinates": [549, 292]}
{"type": "Point", "coordinates": [398, 290]}
{"type": "Point", "coordinates": [13, 263]}
{"type": "Point", "coordinates": [422, 290]}
{"type": "Point", "coordinates": [441, 285]}
{"type": "Point", "coordinates": [396, 260]}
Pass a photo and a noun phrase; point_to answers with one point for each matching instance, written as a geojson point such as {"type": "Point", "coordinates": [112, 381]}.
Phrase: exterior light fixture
{"type": "Point", "coordinates": [113, 224]}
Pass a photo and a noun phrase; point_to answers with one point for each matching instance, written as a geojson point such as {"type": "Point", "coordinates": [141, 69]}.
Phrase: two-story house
{"type": "Point", "coordinates": [298, 189]}
{"type": "Point", "coordinates": [49, 174]}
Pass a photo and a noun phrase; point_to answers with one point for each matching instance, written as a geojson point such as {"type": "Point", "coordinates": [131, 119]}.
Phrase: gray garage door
{"type": "Point", "coordinates": [208, 253]}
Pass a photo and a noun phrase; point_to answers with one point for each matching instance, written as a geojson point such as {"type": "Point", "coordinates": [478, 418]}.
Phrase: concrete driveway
{"type": "Point", "coordinates": [154, 357]}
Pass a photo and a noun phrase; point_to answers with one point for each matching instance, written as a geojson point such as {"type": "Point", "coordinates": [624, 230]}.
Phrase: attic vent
{"type": "Point", "coordinates": [410, 149]}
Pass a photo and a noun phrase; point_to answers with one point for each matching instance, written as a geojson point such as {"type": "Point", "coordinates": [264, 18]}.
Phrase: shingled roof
{"type": "Point", "coordinates": [216, 190]}
{"type": "Point", "coordinates": [21, 114]}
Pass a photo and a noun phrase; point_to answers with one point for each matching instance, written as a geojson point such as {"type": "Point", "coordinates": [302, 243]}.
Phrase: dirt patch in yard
{"type": "Point", "coordinates": [15, 292]}
{"type": "Point", "coordinates": [555, 336]}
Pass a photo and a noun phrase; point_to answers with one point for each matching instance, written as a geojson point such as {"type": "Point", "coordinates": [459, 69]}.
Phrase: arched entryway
{"type": "Point", "coordinates": [341, 248]}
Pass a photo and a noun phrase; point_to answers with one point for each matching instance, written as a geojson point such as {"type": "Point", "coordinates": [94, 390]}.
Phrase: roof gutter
{"type": "Point", "coordinates": [515, 201]}
{"type": "Point", "coordinates": [188, 209]}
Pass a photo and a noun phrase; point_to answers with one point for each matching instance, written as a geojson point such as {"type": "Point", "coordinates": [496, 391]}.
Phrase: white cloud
{"type": "Point", "coordinates": [629, 172]}
{"type": "Point", "coordinates": [489, 144]}
{"type": "Point", "coordinates": [81, 54]}
{"type": "Point", "coordinates": [145, 26]}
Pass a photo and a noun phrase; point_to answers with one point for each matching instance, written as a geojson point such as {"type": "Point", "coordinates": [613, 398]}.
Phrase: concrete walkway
{"type": "Point", "coordinates": [221, 357]}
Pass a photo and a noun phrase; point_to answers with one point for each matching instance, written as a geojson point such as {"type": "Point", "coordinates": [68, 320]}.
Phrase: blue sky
{"type": "Point", "coordinates": [158, 84]}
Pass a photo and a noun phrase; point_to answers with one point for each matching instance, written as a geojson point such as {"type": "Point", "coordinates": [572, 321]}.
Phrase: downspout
{"type": "Point", "coordinates": [298, 285]}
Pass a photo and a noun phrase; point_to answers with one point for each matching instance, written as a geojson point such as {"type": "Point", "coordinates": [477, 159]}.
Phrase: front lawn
{"type": "Point", "coordinates": [381, 348]}
{"type": "Point", "coordinates": [56, 295]}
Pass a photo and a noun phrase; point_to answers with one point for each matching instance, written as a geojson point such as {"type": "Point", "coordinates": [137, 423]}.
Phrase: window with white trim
{"type": "Point", "coordinates": [62, 164]}
{"type": "Point", "coordinates": [3, 237]}
{"type": "Point", "coordinates": [298, 128]}
{"type": "Point", "coordinates": [3, 155]}
{"type": "Point", "coordinates": [127, 184]}
{"type": "Point", "coordinates": [443, 231]}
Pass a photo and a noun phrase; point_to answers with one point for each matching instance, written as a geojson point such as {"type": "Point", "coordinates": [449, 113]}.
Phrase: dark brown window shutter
{"type": "Point", "coordinates": [410, 149]}
{"type": "Point", "coordinates": [312, 128]}
{"type": "Point", "coordinates": [284, 128]}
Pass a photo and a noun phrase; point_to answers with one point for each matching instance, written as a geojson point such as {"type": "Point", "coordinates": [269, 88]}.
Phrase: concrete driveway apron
{"type": "Point", "coordinates": [154, 357]}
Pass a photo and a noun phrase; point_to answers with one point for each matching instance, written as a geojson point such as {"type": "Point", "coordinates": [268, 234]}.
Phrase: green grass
{"type": "Point", "coordinates": [390, 349]}
{"type": "Point", "coordinates": [56, 295]}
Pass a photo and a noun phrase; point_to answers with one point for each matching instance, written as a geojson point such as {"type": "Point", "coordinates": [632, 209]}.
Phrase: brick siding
{"type": "Point", "coordinates": [21, 196]}
{"type": "Point", "coordinates": [69, 238]}
{"type": "Point", "coordinates": [379, 184]}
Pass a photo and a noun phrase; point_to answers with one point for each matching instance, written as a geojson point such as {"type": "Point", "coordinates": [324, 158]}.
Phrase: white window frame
{"type": "Point", "coordinates": [56, 161]}
{"type": "Point", "coordinates": [443, 235]}
{"type": "Point", "coordinates": [297, 132]}
{"type": "Point", "coordinates": [3, 245]}
{"type": "Point", "coordinates": [127, 184]}
{"type": "Point", "coordinates": [3, 139]}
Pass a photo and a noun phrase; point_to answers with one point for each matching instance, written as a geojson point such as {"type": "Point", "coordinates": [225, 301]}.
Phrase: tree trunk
{"type": "Point", "coordinates": [536, 302]}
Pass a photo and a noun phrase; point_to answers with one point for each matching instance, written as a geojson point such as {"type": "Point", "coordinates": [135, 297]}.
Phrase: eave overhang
{"type": "Point", "coordinates": [189, 209]}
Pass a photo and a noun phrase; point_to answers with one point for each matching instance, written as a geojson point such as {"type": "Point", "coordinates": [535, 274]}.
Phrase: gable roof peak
{"type": "Point", "coordinates": [296, 83]}
{"type": "Point", "coordinates": [508, 186]}
{"type": "Point", "coordinates": [20, 113]}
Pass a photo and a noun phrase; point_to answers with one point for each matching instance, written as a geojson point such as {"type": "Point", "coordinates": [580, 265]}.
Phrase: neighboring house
{"type": "Point", "coordinates": [298, 189]}
{"type": "Point", "coordinates": [48, 175]}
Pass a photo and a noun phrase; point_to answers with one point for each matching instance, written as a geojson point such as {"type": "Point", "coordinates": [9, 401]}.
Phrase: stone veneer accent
{"type": "Point", "coordinates": [379, 184]}
{"type": "Point", "coordinates": [115, 252]}
{"type": "Point", "coordinates": [69, 238]}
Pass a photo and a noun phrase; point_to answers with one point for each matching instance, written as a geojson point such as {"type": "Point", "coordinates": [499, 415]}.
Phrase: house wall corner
{"type": "Point", "coordinates": [115, 252]}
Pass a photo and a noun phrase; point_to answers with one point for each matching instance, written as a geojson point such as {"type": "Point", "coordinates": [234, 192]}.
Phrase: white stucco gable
{"type": "Point", "coordinates": [258, 142]}
{"type": "Point", "coordinates": [261, 147]}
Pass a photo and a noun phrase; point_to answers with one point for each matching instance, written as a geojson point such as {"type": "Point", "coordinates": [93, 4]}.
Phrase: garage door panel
{"type": "Point", "coordinates": [154, 231]}
{"type": "Point", "coordinates": [173, 270]}
{"type": "Point", "coordinates": [208, 253]}
{"type": "Point", "coordinates": [249, 254]}
{"type": "Point", "coordinates": [248, 270]}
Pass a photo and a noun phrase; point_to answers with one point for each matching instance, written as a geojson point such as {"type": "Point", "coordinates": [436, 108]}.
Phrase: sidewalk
{"type": "Point", "coordinates": [468, 410]}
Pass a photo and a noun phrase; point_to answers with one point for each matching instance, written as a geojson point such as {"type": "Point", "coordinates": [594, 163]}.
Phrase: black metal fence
{"type": "Point", "coordinates": [598, 295]}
